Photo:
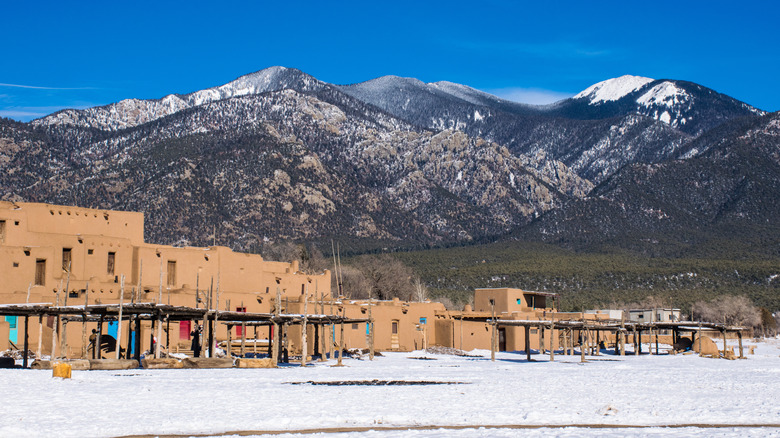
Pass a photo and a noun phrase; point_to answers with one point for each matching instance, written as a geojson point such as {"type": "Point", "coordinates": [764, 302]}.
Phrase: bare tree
{"type": "Point", "coordinates": [387, 276]}
{"type": "Point", "coordinates": [420, 289]}
{"type": "Point", "coordinates": [728, 309]}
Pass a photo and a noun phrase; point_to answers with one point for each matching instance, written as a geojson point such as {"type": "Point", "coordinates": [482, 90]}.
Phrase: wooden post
{"type": "Point", "coordinates": [254, 344]}
{"type": "Point", "coordinates": [493, 331]}
{"type": "Point", "coordinates": [700, 341]}
{"type": "Point", "coordinates": [98, 339]}
{"type": "Point", "coordinates": [636, 348]}
{"type": "Point", "coordinates": [205, 339]}
{"type": "Point", "coordinates": [26, 342]}
{"type": "Point", "coordinates": [137, 348]}
{"type": "Point", "coordinates": [276, 327]}
{"type": "Point", "coordinates": [723, 333]}
{"type": "Point", "coordinates": [563, 336]}
{"type": "Point", "coordinates": [371, 331]}
{"type": "Point", "coordinates": [159, 315]}
{"type": "Point", "coordinates": [527, 342]}
{"type": "Point", "coordinates": [639, 340]}
{"type": "Point", "coordinates": [56, 328]}
{"type": "Point", "coordinates": [64, 334]}
{"type": "Point", "coordinates": [84, 325]}
{"type": "Point", "coordinates": [304, 337]}
{"type": "Point", "coordinates": [741, 351]}
{"type": "Point", "coordinates": [571, 342]}
{"type": "Point", "coordinates": [341, 338]}
{"type": "Point", "coordinates": [582, 342]}
{"type": "Point", "coordinates": [552, 344]}
{"type": "Point", "coordinates": [215, 325]}
{"type": "Point", "coordinates": [29, 287]}
{"type": "Point", "coordinates": [119, 320]}
{"type": "Point", "coordinates": [322, 328]}
{"type": "Point", "coordinates": [243, 338]}
{"type": "Point", "coordinates": [229, 342]}
{"type": "Point", "coordinates": [40, 336]}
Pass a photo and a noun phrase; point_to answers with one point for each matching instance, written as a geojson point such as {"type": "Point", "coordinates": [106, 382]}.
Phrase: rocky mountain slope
{"type": "Point", "coordinates": [278, 154]}
{"type": "Point", "coordinates": [729, 191]}
{"type": "Point", "coordinates": [286, 164]}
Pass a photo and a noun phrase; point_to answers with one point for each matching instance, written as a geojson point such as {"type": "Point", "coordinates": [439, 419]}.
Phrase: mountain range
{"type": "Point", "coordinates": [278, 154]}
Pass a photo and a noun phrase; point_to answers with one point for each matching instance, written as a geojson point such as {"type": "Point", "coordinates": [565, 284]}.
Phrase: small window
{"type": "Point", "coordinates": [16, 223]}
{"type": "Point", "coordinates": [354, 326]}
{"type": "Point", "coordinates": [67, 259]}
{"type": "Point", "coordinates": [520, 301]}
{"type": "Point", "coordinates": [40, 272]}
{"type": "Point", "coordinates": [16, 264]}
{"type": "Point", "coordinates": [74, 294]}
{"type": "Point", "coordinates": [534, 331]}
{"type": "Point", "coordinates": [2, 231]}
{"type": "Point", "coordinates": [171, 273]}
{"type": "Point", "coordinates": [111, 262]}
{"type": "Point", "coordinates": [90, 251]}
{"type": "Point", "coordinates": [423, 320]}
{"type": "Point", "coordinates": [395, 327]}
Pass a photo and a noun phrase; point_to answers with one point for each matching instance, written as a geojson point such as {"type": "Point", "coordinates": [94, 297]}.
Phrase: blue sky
{"type": "Point", "coordinates": [57, 55]}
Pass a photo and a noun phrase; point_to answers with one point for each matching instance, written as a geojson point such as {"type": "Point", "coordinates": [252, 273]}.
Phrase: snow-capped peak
{"type": "Point", "coordinates": [613, 89]}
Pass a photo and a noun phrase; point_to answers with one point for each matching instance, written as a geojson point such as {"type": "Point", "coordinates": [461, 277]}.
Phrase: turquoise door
{"type": "Point", "coordinates": [13, 335]}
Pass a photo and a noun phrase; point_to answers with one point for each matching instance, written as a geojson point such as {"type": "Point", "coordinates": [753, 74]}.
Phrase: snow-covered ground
{"type": "Point", "coordinates": [608, 390]}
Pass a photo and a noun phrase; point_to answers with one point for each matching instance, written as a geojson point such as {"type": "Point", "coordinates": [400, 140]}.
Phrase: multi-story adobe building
{"type": "Point", "coordinates": [69, 255]}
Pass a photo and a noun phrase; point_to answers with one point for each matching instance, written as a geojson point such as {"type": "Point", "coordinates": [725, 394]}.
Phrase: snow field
{"type": "Point", "coordinates": [611, 390]}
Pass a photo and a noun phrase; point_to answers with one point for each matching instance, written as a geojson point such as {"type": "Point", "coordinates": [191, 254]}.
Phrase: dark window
{"type": "Point", "coordinates": [111, 263]}
{"type": "Point", "coordinates": [354, 326]}
{"type": "Point", "coordinates": [395, 327]}
{"type": "Point", "coordinates": [90, 251]}
{"type": "Point", "coordinates": [67, 259]}
{"type": "Point", "coordinates": [2, 231]}
{"type": "Point", "coordinates": [171, 273]}
{"type": "Point", "coordinates": [40, 272]}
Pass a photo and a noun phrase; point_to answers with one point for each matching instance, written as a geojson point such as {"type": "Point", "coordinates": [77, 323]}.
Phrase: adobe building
{"type": "Point", "coordinates": [70, 255]}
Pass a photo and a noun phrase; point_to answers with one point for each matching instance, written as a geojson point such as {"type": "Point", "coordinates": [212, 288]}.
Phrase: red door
{"type": "Point", "coordinates": [184, 330]}
{"type": "Point", "coordinates": [239, 329]}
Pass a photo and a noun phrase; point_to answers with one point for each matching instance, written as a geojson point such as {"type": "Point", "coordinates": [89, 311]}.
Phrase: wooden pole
{"type": "Point", "coordinates": [98, 339]}
{"type": "Point", "coordinates": [207, 304]}
{"type": "Point", "coordinates": [341, 339]}
{"type": "Point", "coordinates": [582, 342]}
{"type": "Point", "coordinates": [29, 286]}
{"type": "Point", "coordinates": [254, 344]}
{"type": "Point", "coordinates": [527, 342]}
{"type": "Point", "coordinates": [322, 328]}
{"type": "Point", "coordinates": [741, 351]}
{"type": "Point", "coordinates": [40, 336]}
{"type": "Point", "coordinates": [56, 328]}
{"type": "Point", "coordinates": [243, 338]}
{"type": "Point", "coordinates": [119, 320]}
{"type": "Point", "coordinates": [371, 330]}
{"type": "Point", "coordinates": [276, 328]}
{"type": "Point", "coordinates": [552, 344]}
{"type": "Point", "coordinates": [215, 325]}
{"type": "Point", "coordinates": [26, 342]}
{"type": "Point", "coordinates": [723, 333]}
{"type": "Point", "coordinates": [493, 331]}
{"type": "Point", "coordinates": [64, 334]}
{"type": "Point", "coordinates": [571, 342]}
{"type": "Point", "coordinates": [304, 340]}
{"type": "Point", "coordinates": [138, 289]}
{"type": "Point", "coordinates": [84, 325]}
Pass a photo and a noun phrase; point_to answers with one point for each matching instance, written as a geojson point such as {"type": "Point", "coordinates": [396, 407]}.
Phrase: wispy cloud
{"type": "Point", "coordinates": [547, 49]}
{"type": "Point", "coordinates": [27, 113]}
{"type": "Point", "coordinates": [36, 87]}
{"type": "Point", "coordinates": [534, 96]}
